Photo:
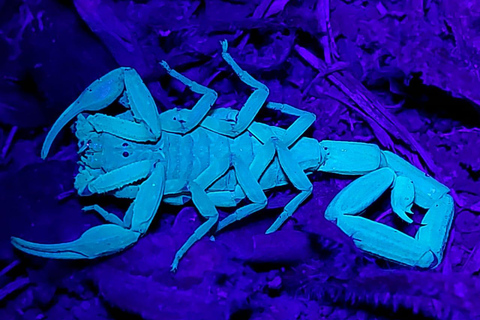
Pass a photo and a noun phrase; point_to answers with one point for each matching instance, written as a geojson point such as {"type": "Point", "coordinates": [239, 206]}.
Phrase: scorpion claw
{"type": "Point", "coordinates": [96, 242]}
{"type": "Point", "coordinates": [97, 96]}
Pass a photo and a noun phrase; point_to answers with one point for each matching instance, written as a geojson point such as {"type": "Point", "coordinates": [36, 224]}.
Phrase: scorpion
{"type": "Point", "coordinates": [219, 157]}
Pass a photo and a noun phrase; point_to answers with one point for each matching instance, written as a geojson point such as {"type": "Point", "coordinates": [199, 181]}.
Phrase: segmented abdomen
{"type": "Point", "coordinates": [190, 155]}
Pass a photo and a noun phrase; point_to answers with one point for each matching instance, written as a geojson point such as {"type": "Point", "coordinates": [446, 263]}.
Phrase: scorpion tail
{"type": "Point", "coordinates": [97, 96]}
{"type": "Point", "coordinates": [96, 242]}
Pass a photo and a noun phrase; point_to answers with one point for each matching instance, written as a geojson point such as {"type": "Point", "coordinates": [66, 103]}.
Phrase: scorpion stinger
{"type": "Point", "coordinates": [380, 171]}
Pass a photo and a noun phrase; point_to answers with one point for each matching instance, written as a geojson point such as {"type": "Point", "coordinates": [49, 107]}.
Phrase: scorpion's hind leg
{"type": "Point", "coordinates": [249, 110]}
{"type": "Point", "coordinates": [252, 189]}
{"type": "Point", "coordinates": [182, 121]}
{"type": "Point", "coordinates": [107, 239]}
{"type": "Point", "coordinates": [297, 177]}
{"type": "Point", "coordinates": [288, 163]}
{"type": "Point", "coordinates": [248, 186]}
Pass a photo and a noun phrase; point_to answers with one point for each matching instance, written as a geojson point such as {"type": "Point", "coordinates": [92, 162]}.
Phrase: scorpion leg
{"type": "Point", "coordinates": [297, 129]}
{"type": "Point", "coordinates": [292, 133]}
{"type": "Point", "coordinates": [128, 192]}
{"type": "Point", "coordinates": [121, 128]}
{"type": "Point", "coordinates": [297, 177]}
{"type": "Point", "coordinates": [230, 199]}
{"type": "Point", "coordinates": [107, 239]}
{"type": "Point", "coordinates": [250, 108]}
{"type": "Point", "coordinates": [114, 179]}
{"type": "Point", "coordinates": [182, 121]}
{"type": "Point", "coordinates": [207, 209]}
{"type": "Point", "coordinates": [107, 216]}
{"type": "Point", "coordinates": [227, 198]}
{"type": "Point", "coordinates": [253, 191]}
{"type": "Point", "coordinates": [204, 204]}
{"type": "Point", "coordinates": [290, 166]}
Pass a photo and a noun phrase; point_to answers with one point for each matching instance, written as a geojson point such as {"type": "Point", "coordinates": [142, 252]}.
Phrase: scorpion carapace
{"type": "Point", "coordinates": [218, 157]}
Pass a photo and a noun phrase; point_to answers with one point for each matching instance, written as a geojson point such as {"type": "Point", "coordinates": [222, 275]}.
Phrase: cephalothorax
{"type": "Point", "coordinates": [218, 157]}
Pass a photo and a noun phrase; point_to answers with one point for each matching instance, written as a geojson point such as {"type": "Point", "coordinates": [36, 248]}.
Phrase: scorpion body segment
{"type": "Point", "coordinates": [219, 157]}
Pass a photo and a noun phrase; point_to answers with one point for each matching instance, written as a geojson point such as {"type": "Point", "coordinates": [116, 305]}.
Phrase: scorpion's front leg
{"type": "Point", "coordinates": [249, 110]}
{"type": "Point", "coordinates": [111, 238]}
{"type": "Point", "coordinates": [296, 129]}
{"type": "Point", "coordinates": [104, 92]}
{"type": "Point", "coordinates": [182, 121]}
{"type": "Point", "coordinates": [383, 170]}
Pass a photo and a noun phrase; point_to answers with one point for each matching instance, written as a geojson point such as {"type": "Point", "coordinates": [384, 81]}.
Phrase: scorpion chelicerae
{"type": "Point", "coordinates": [218, 157]}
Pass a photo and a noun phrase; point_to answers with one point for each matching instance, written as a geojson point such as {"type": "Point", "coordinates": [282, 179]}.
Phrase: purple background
{"type": "Point", "coordinates": [400, 74]}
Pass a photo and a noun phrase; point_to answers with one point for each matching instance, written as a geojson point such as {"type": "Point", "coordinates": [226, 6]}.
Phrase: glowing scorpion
{"type": "Point", "coordinates": [218, 157]}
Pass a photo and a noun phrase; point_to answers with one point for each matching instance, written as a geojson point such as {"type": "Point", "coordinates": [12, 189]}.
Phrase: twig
{"type": "Point", "coordinates": [16, 284]}
{"type": "Point", "coordinates": [328, 44]}
{"type": "Point", "coordinates": [13, 286]}
{"type": "Point", "coordinates": [268, 8]}
{"type": "Point", "coordinates": [9, 267]}
{"type": "Point", "coordinates": [265, 9]}
{"type": "Point", "coordinates": [338, 66]}
{"type": "Point", "coordinates": [65, 194]}
{"type": "Point", "coordinates": [384, 214]}
{"type": "Point", "coordinates": [8, 142]}
{"type": "Point", "coordinates": [471, 267]}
